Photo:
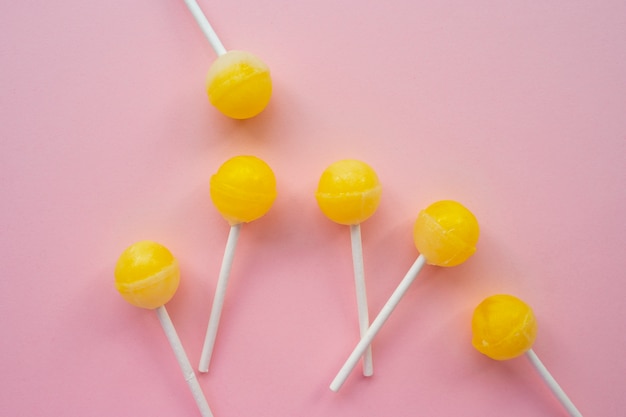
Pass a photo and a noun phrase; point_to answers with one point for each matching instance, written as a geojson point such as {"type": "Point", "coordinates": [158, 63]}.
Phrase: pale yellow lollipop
{"type": "Point", "coordinates": [238, 83]}
{"type": "Point", "coordinates": [445, 234]}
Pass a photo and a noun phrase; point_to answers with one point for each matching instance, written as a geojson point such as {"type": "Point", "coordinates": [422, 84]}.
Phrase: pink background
{"type": "Point", "coordinates": [516, 109]}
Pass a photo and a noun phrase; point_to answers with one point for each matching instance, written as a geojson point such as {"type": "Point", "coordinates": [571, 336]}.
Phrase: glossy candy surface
{"type": "Point", "coordinates": [348, 192]}
{"type": "Point", "coordinates": [446, 233]}
{"type": "Point", "coordinates": [503, 327]}
{"type": "Point", "coordinates": [147, 274]}
{"type": "Point", "coordinates": [239, 84]}
{"type": "Point", "coordinates": [243, 189]}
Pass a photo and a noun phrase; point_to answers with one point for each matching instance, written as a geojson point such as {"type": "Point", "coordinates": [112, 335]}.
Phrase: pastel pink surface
{"type": "Point", "coordinates": [515, 109]}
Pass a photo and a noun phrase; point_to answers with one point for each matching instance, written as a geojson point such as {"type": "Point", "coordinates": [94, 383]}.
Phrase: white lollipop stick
{"type": "Point", "coordinates": [205, 27]}
{"type": "Point", "coordinates": [552, 384]}
{"type": "Point", "coordinates": [183, 361]}
{"type": "Point", "coordinates": [361, 294]}
{"type": "Point", "coordinates": [377, 324]}
{"type": "Point", "coordinates": [218, 299]}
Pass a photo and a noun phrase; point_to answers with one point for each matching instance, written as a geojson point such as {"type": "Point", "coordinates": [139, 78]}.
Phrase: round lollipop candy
{"type": "Point", "coordinates": [147, 276]}
{"type": "Point", "coordinates": [504, 327]}
{"type": "Point", "coordinates": [348, 193]}
{"type": "Point", "coordinates": [445, 234]}
{"type": "Point", "coordinates": [238, 83]}
{"type": "Point", "coordinates": [242, 190]}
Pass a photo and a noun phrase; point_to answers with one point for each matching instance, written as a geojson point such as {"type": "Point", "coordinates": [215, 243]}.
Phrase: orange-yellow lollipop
{"type": "Point", "coordinates": [504, 327]}
{"type": "Point", "coordinates": [147, 276]}
{"type": "Point", "coordinates": [348, 193]}
{"type": "Point", "coordinates": [238, 83]}
{"type": "Point", "coordinates": [243, 189]}
{"type": "Point", "coordinates": [446, 234]}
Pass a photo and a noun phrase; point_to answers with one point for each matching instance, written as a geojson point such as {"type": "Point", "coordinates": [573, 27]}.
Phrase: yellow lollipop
{"type": "Point", "coordinates": [147, 276]}
{"type": "Point", "coordinates": [349, 193]}
{"type": "Point", "coordinates": [242, 190]}
{"type": "Point", "coordinates": [238, 83]}
{"type": "Point", "coordinates": [504, 327]}
{"type": "Point", "coordinates": [446, 234]}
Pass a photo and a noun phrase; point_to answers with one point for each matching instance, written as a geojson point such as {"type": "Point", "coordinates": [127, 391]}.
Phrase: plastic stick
{"type": "Point", "coordinates": [183, 361]}
{"type": "Point", "coordinates": [361, 294]}
{"type": "Point", "coordinates": [552, 384]}
{"type": "Point", "coordinates": [377, 324]}
{"type": "Point", "coordinates": [218, 299]}
{"type": "Point", "coordinates": [205, 27]}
